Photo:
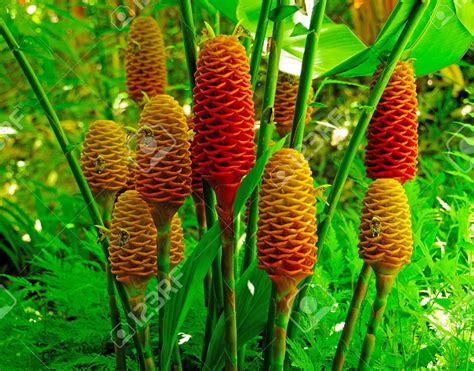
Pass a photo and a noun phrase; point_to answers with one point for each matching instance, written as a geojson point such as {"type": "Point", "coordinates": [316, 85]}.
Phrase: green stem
{"type": "Point", "coordinates": [189, 38]}
{"type": "Point", "coordinates": [269, 331]}
{"type": "Point", "coordinates": [217, 23]}
{"type": "Point", "coordinates": [105, 201]}
{"type": "Point", "coordinates": [282, 315]}
{"type": "Point", "coordinates": [306, 77]}
{"type": "Point", "coordinates": [230, 318]}
{"type": "Point", "coordinates": [136, 299]}
{"type": "Point", "coordinates": [103, 63]}
{"type": "Point", "coordinates": [264, 134]}
{"type": "Point", "coordinates": [384, 285]}
{"type": "Point", "coordinates": [258, 42]}
{"type": "Point", "coordinates": [351, 318]}
{"type": "Point", "coordinates": [359, 132]}
{"type": "Point", "coordinates": [163, 261]}
{"type": "Point", "coordinates": [177, 358]}
{"type": "Point", "coordinates": [72, 161]}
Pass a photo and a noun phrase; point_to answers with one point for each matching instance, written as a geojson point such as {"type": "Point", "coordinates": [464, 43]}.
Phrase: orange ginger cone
{"type": "Point", "coordinates": [104, 157]}
{"type": "Point", "coordinates": [392, 138]}
{"type": "Point", "coordinates": [225, 151]}
{"type": "Point", "coordinates": [286, 235]}
{"type": "Point", "coordinates": [104, 165]}
{"type": "Point", "coordinates": [163, 177]}
{"type": "Point", "coordinates": [285, 101]}
{"type": "Point", "coordinates": [386, 244]}
{"type": "Point", "coordinates": [132, 256]}
{"type": "Point", "coordinates": [146, 61]}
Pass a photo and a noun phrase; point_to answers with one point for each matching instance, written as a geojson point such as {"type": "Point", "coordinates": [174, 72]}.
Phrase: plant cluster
{"type": "Point", "coordinates": [258, 268]}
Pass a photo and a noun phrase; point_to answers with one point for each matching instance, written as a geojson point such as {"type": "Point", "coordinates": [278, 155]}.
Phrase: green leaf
{"type": "Point", "coordinates": [282, 12]}
{"type": "Point", "coordinates": [438, 29]}
{"type": "Point", "coordinates": [252, 298]}
{"type": "Point", "coordinates": [422, 358]}
{"type": "Point", "coordinates": [299, 30]}
{"type": "Point", "coordinates": [227, 8]}
{"type": "Point", "coordinates": [253, 178]}
{"type": "Point", "coordinates": [188, 279]}
{"type": "Point", "coordinates": [465, 11]}
{"type": "Point", "coordinates": [336, 44]}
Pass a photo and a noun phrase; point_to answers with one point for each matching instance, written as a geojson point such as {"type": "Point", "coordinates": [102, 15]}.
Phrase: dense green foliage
{"type": "Point", "coordinates": [53, 309]}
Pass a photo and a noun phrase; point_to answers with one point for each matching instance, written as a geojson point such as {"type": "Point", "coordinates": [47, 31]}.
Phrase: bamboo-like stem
{"type": "Point", "coordinates": [264, 134]}
{"type": "Point", "coordinates": [217, 291]}
{"type": "Point", "coordinates": [177, 366]}
{"type": "Point", "coordinates": [189, 38]}
{"type": "Point", "coordinates": [306, 76]}
{"type": "Point", "coordinates": [258, 42]}
{"type": "Point", "coordinates": [265, 131]}
{"type": "Point", "coordinates": [163, 226]}
{"type": "Point", "coordinates": [136, 297]}
{"type": "Point", "coordinates": [283, 306]}
{"type": "Point", "coordinates": [269, 331]}
{"type": "Point", "coordinates": [226, 219]}
{"type": "Point", "coordinates": [359, 132]}
{"type": "Point", "coordinates": [103, 62]}
{"type": "Point", "coordinates": [105, 201]}
{"type": "Point", "coordinates": [351, 318]}
{"type": "Point", "coordinates": [384, 285]}
{"type": "Point", "coordinates": [66, 148]}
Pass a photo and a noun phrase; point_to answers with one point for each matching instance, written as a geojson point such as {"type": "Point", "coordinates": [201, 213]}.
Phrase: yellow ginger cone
{"type": "Point", "coordinates": [146, 61]}
{"type": "Point", "coordinates": [132, 250]}
{"type": "Point", "coordinates": [163, 177]}
{"type": "Point", "coordinates": [286, 236]}
{"type": "Point", "coordinates": [176, 242]}
{"type": "Point", "coordinates": [385, 239]}
{"type": "Point", "coordinates": [163, 157]}
{"type": "Point", "coordinates": [132, 256]}
{"type": "Point", "coordinates": [104, 157]}
{"type": "Point", "coordinates": [285, 102]}
{"type": "Point", "coordinates": [386, 244]}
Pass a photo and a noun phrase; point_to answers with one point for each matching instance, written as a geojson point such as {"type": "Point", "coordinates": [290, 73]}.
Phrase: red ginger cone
{"type": "Point", "coordinates": [146, 61]}
{"type": "Point", "coordinates": [224, 116]}
{"type": "Point", "coordinates": [392, 139]}
{"type": "Point", "coordinates": [285, 102]}
{"type": "Point", "coordinates": [104, 157]}
{"type": "Point", "coordinates": [224, 150]}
